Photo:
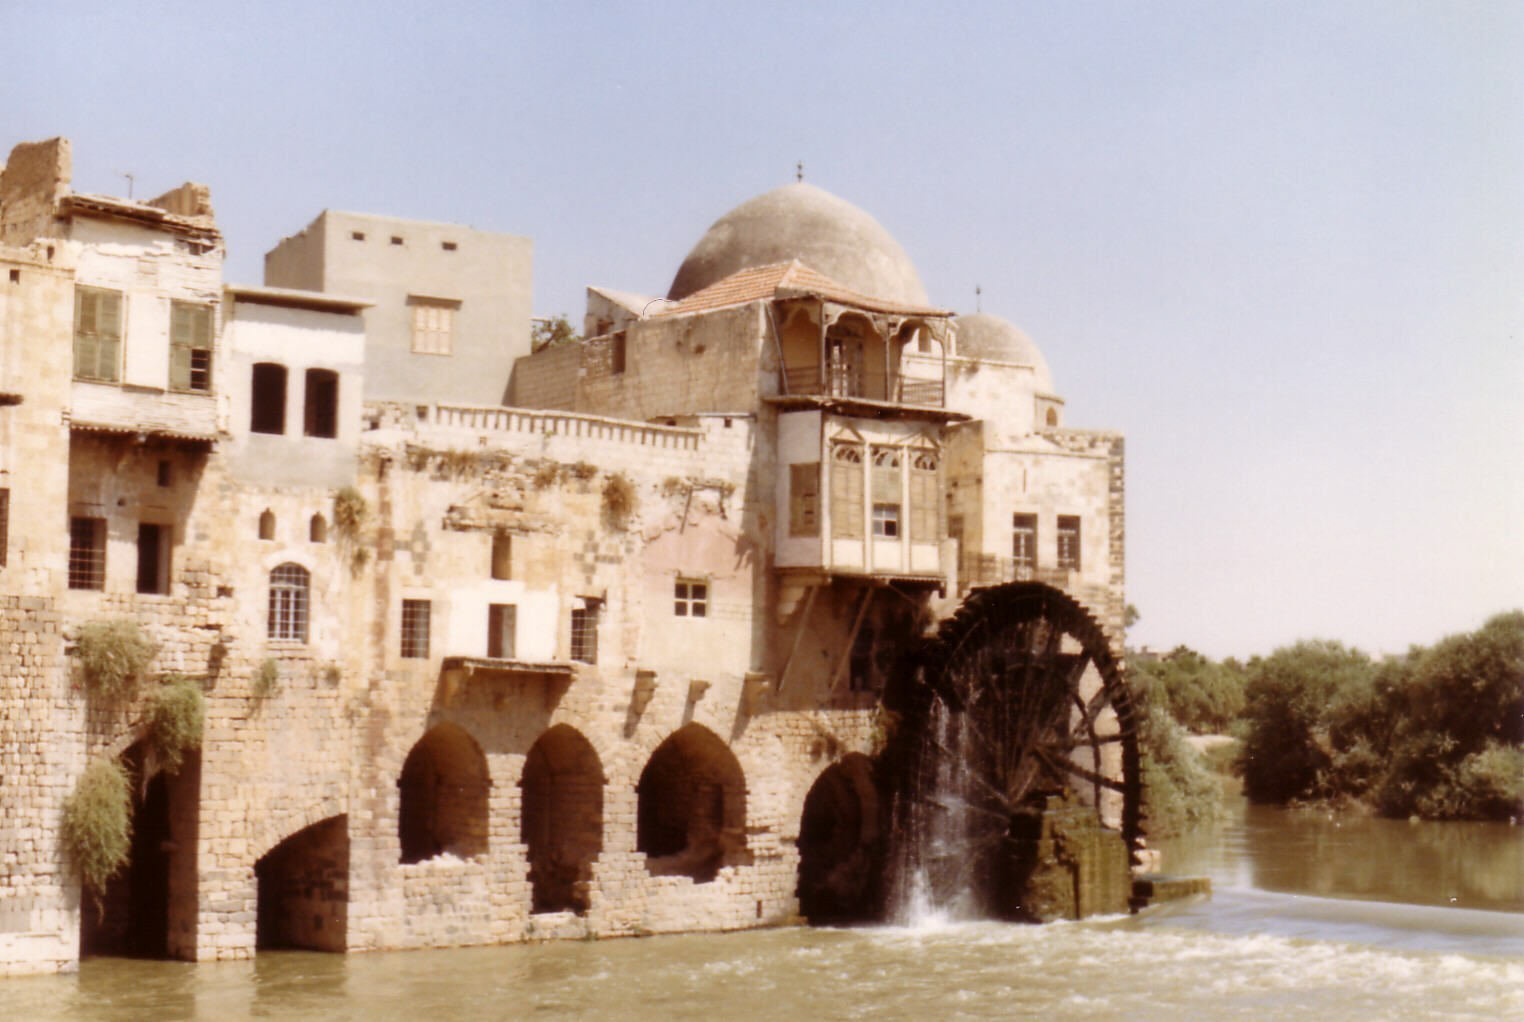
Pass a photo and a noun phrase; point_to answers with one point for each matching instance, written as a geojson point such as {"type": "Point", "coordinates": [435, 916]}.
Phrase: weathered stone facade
{"type": "Point", "coordinates": [479, 673]}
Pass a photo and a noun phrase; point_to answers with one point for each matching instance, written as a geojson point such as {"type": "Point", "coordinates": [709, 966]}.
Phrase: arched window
{"type": "Point", "coordinates": [267, 524]}
{"type": "Point", "coordinates": [317, 529]}
{"type": "Point", "coordinates": [267, 401]}
{"type": "Point", "coordinates": [289, 586]}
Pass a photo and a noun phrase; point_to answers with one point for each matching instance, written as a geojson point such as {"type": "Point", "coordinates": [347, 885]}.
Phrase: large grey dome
{"type": "Point", "coordinates": [800, 221]}
{"type": "Point", "coordinates": [993, 339]}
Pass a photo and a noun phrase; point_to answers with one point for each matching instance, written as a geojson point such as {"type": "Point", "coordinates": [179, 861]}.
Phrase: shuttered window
{"type": "Point", "coordinates": [97, 334]}
{"type": "Point", "coordinates": [190, 347]}
{"type": "Point", "coordinates": [804, 499]}
{"type": "Point", "coordinates": [886, 492]}
{"type": "Point", "coordinates": [847, 491]}
{"type": "Point", "coordinates": [433, 325]}
{"type": "Point", "coordinates": [925, 502]}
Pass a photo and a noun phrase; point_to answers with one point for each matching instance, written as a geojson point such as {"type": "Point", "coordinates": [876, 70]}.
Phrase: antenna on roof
{"type": "Point", "coordinates": [799, 171]}
{"type": "Point", "coordinates": [130, 176]}
{"type": "Point", "coordinates": [977, 292]}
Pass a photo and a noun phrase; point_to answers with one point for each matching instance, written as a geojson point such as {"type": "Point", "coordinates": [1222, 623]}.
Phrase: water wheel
{"type": "Point", "coordinates": [1017, 704]}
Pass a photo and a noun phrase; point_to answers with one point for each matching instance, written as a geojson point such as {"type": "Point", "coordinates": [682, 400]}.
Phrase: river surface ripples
{"type": "Point", "coordinates": [1284, 935]}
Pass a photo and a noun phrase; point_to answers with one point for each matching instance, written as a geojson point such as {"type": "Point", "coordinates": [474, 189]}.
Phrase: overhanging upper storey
{"type": "Point", "coordinates": [836, 346]}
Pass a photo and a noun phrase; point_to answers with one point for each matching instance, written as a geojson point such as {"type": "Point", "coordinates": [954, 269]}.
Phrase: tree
{"type": "Point", "coordinates": [552, 333]}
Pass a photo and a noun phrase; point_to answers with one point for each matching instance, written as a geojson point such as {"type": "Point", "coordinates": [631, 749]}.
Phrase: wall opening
{"type": "Point", "coordinates": [267, 399]}
{"type": "Point", "coordinates": [303, 887]}
{"type": "Point", "coordinates": [148, 910]}
{"type": "Point", "coordinates": [840, 845]}
{"type": "Point", "coordinates": [153, 557]}
{"type": "Point", "coordinates": [691, 815]}
{"type": "Point", "coordinates": [317, 529]}
{"type": "Point", "coordinates": [320, 406]}
{"type": "Point", "coordinates": [562, 819]}
{"type": "Point", "coordinates": [443, 789]}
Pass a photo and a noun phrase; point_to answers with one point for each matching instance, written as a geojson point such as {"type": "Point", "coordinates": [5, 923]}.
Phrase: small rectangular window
{"type": "Point", "coordinates": [396, 240]}
{"type": "Point", "coordinates": [502, 555]}
{"type": "Point", "coordinates": [415, 629]}
{"type": "Point", "coordinates": [1069, 542]}
{"type": "Point", "coordinates": [886, 521]}
{"type": "Point", "coordinates": [166, 473]}
{"type": "Point", "coordinates": [584, 634]}
{"type": "Point", "coordinates": [804, 499]}
{"type": "Point", "coordinates": [267, 398]}
{"type": "Point", "coordinates": [153, 557]}
{"type": "Point", "coordinates": [502, 631]}
{"type": "Point", "coordinates": [357, 235]}
{"type": "Point", "coordinates": [448, 246]}
{"type": "Point", "coordinates": [190, 347]}
{"type": "Point", "coordinates": [15, 276]}
{"type": "Point", "coordinates": [690, 598]}
{"type": "Point", "coordinates": [433, 325]}
{"type": "Point", "coordinates": [97, 334]}
{"type": "Point", "coordinates": [87, 553]}
{"type": "Point", "coordinates": [320, 407]}
{"type": "Point", "coordinates": [1024, 543]}
{"type": "Point", "coordinates": [616, 353]}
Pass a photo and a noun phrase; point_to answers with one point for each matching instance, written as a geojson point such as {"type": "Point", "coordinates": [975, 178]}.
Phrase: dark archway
{"type": "Point", "coordinates": [443, 789]}
{"type": "Point", "coordinates": [303, 884]}
{"type": "Point", "coordinates": [691, 815]}
{"type": "Point", "coordinates": [840, 844]}
{"type": "Point", "coordinates": [562, 818]}
{"type": "Point", "coordinates": [1016, 722]}
{"type": "Point", "coordinates": [148, 910]}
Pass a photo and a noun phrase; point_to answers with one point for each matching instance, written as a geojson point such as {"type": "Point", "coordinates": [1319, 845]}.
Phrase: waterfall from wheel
{"type": "Point", "coordinates": [1013, 767]}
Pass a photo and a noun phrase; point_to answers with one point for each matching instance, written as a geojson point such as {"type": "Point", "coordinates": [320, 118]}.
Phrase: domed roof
{"type": "Point", "coordinates": [800, 221]}
{"type": "Point", "coordinates": [993, 339]}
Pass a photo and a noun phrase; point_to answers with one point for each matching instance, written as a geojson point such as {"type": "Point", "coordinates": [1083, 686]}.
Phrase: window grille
{"type": "Point", "coordinates": [584, 634]}
{"type": "Point", "coordinates": [415, 629]}
{"type": "Point", "coordinates": [289, 586]}
{"type": "Point", "coordinates": [690, 598]}
{"type": "Point", "coordinates": [1069, 542]}
{"type": "Point", "coordinates": [87, 553]}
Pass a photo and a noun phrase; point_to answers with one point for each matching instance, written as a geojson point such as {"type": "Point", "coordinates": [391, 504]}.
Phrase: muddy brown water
{"type": "Point", "coordinates": [1312, 916]}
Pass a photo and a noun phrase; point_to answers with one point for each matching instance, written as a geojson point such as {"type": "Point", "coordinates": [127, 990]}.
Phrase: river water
{"type": "Point", "coordinates": [1311, 917]}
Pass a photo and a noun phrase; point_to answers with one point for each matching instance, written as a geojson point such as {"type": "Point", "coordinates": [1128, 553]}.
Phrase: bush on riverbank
{"type": "Point", "coordinates": [1438, 733]}
{"type": "Point", "coordinates": [1179, 790]}
{"type": "Point", "coordinates": [1203, 696]}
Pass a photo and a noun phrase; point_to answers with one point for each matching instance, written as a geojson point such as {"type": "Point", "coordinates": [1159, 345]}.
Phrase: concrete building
{"type": "Point", "coordinates": [617, 655]}
{"type": "Point", "coordinates": [449, 306]}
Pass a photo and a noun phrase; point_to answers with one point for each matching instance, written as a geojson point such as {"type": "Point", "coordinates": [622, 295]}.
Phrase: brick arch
{"type": "Point", "coordinates": [443, 791]}
{"type": "Point", "coordinates": [271, 831]}
{"type": "Point", "coordinates": [561, 818]}
{"type": "Point", "coordinates": [841, 843]}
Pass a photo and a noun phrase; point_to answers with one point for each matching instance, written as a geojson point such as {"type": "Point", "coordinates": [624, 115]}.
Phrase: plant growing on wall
{"type": "Point", "coordinates": [619, 500]}
{"type": "Point", "coordinates": [266, 679]}
{"type": "Point", "coordinates": [176, 713]}
{"type": "Point", "coordinates": [97, 824]}
{"type": "Point", "coordinates": [552, 333]}
{"type": "Point", "coordinates": [349, 513]}
{"type": "Point", "coordinates": [113, 655]}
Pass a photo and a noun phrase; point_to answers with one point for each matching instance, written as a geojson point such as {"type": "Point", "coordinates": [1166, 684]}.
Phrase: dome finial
{"type": "Point", "coordinates": [978, 307]}
{"type": "Point", "coordinates": [799, 171]}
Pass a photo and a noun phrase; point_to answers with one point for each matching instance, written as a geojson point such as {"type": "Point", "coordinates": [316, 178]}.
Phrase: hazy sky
{"type": "Point", "coordinates": [1280, 245]}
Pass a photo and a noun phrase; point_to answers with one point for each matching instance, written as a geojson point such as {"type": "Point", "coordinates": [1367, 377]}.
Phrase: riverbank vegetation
{"type": "Point", "coordinates": [1437, 733]}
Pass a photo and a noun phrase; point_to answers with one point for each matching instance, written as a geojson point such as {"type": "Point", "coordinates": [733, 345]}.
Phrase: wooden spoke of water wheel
{"type": "Point", "coordinates": [1042, 705]}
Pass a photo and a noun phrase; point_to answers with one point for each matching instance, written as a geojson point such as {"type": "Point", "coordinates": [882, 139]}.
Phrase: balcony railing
{"type": "Point", "coordinates": [988, 570]}
{"type": "Point", "coordinates": [845, 381]}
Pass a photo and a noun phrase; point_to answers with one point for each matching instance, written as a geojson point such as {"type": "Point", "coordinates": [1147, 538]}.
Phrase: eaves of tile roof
{"type": "Point", "coordinates": [792, 279]}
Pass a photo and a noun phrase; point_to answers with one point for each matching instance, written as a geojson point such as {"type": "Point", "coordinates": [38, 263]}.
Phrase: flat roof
{"type": "Point", "coordinates": [295, 299]}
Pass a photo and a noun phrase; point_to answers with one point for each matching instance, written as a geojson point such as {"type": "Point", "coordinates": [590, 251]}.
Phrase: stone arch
{"type": "Point", "coordinates": [691, 806]}
{"type": "Point", "coordinates": [841, 843]}
{"type": "Point", "coordinates": [561, 821]}
{"type": "Point", "coordinates": [443, 788]}
{"type": "Point", "coordinates": [303, 889]}
{"type": "Point", "coordinates": [148, 909]}
{"type": "Point", "coordinates": [278, 828]}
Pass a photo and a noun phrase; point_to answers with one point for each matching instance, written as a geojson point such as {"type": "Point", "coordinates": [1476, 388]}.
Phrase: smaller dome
{"type": "Point", "coordinates": [992, 339]}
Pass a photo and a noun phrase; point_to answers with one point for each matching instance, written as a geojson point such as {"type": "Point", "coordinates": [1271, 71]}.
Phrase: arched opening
{"type": "Point", "coordinates": [148, 910]}
{"type": "Point", "coordinates": [290, 587]}
{"type": "Point", "coordinates": [303, 884]}
{"type": "Point", "coordinates": [267, 524]}
{"type": "Point", "coordinates": [562, 818]}
{"type": "Point", "coordinates": [443, 792]}
{"type": "Point", "coordinates": [317, 529]}
{"type": "Point", "coordinates": [840, 845]}
{"type": "Point", "coordinates": [691, 815]}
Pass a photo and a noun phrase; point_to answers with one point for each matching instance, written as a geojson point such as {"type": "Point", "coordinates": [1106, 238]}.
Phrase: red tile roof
{"type": "Point", "coordinates": [792, 279]}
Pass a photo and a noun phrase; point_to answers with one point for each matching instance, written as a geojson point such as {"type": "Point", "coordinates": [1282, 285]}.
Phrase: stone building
{"type": "Point", "coordinates": [493, 645]}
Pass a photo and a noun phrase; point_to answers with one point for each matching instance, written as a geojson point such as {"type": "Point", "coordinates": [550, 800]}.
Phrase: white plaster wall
{"type": "Point", "coordinates": [535, 620]}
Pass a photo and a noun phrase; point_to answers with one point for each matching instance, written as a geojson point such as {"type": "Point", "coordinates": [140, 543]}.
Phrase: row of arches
{"type": "Point", "coordinates": [690, 808]}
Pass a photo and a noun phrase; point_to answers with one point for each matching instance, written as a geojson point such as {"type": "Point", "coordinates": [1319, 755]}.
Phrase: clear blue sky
{"type": "Point", "coordinates": [1280, 245]}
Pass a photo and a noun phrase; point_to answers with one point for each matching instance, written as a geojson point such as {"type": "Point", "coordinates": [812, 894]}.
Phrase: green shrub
{"type": "Point", "coordinates": [176, 713]}
{"type": "Point", "coordinates": [1179, 791]}
{"type": "Point", "coordinates": [266, 679]}
{"type": "Point", "coordinates": [619, 500]}
{"type": "Point", "coordinates": [349, 513]}
{"type": "Point", "coordinates": [113, 655]}
{"type": "Point", "coordinates": [97, 823]}
{"type": "Point", "coordinates": [1204, 697]}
